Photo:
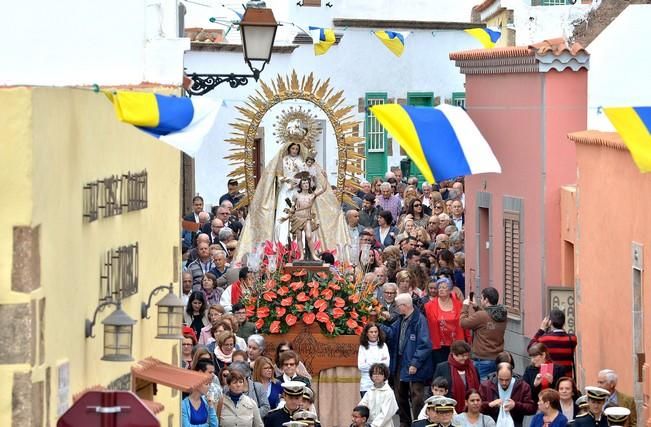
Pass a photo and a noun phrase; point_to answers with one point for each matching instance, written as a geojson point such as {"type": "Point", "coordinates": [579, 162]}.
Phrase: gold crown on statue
{"type": "Point", "coordinates": [297, 125]}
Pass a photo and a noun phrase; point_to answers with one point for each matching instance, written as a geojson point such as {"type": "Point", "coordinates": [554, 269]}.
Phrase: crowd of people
{"type": "Point", "coordinates": [434, 356]}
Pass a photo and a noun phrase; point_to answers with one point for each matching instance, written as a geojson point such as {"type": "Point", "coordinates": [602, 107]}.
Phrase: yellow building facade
{"type": "Point", "coordinates": [54, 142]}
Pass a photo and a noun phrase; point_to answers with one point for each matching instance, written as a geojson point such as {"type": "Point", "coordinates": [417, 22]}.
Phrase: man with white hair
{"type": "Point", "coordinates": [387, 299]}
{"type": "Point", "coordinates": [389, 201]}
{"type": "Point", "coordinates": [458, 187]}
{"type": "Point", "coordinates": [225, 236]}
{"type": "Point", "coordinates": [411, 358]}
{"type": "Point", "coordinates": [607, 379]}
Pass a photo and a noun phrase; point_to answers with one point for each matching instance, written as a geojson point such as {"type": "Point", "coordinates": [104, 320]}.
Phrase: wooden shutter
{"type": "Point", "coordinates": [512, 262]}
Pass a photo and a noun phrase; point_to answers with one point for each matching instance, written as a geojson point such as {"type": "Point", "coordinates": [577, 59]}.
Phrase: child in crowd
{"type": "Point", "coordinates": [440, 387]}
{"type": "Point", "coordinates": [360, 417]}
{"type": "Point", "coordinates": [380, 400]}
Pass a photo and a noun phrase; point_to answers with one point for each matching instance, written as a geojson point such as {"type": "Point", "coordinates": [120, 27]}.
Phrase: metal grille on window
{"type": "Point", "coordinates": [554, 2]}
{"type": "Point", "coordinates": [375, 133]}
{"type": "Point", "coordinates": [119, 272]}
{"type": "Point", "coordinates": [512, 263]}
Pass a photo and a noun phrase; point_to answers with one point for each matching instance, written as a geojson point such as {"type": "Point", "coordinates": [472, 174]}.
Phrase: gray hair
{"type": "Point", "coordinates": [257, 340]}
{"type": "Point", "coordinates": [385, 186]}
{"type": "Point", "coordinates": [404, 299]}
{"type": "Point", "coordinates": [242, 367]}
{"type": "Point", "coordinates": [426, 185]}
{"type": "Point", "coordinates": [611, 376]}
{"type": "Point", "coordinates": [442, 217]}
{"type": "Point", "coordinates": [388, 286]}
{"type": "Point", "coordinates": [455, 237]}
{"type": "Point", "coordinates": [225, 234]}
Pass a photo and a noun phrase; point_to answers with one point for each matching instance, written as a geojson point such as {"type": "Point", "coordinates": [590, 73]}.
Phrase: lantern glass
{"type": "Point", "coordinates": [118, 340]}
{"type": "Point", "coordinates": [170, 320]}
{"type": "Point", "coordinates": [258, 41]}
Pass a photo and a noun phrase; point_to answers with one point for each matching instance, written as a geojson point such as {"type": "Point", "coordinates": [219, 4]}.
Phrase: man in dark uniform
{"type": "Point", "coordinates": [617, 416]}
{"type": "Point", "coordinates": [294, 424]}
{"type": "Point", "coordinates": [594, 418]}
{"type": "Point", "coordinates": [293, 395]}
{"type": "Point", "coordinates": [582, 407]}
{"type": "Point", "coordinates": [440, 410]}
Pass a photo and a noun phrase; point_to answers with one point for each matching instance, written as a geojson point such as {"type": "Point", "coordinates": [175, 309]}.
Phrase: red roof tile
{"type": "Point", "coordinates": [594, 137]}
{"type": "Point", "coordinates": [555, 46]}
{"type": "Point", "coordinates": [483, 5]}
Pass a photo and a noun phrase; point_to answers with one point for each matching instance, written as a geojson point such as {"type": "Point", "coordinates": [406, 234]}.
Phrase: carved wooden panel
{"type": "Point", "coordinates": [317, 351]}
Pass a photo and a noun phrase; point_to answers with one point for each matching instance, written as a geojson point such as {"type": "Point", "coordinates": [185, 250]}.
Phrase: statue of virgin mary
{"type": "Point", "coordinates": [267, 217]}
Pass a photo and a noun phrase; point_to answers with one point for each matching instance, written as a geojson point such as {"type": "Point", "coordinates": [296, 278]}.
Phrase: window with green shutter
{"type": "Point", "coordinates": [376, 138]}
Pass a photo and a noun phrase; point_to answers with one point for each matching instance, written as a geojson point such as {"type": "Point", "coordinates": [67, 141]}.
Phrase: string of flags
{"type": "Point", "coordinates": [324, 38]}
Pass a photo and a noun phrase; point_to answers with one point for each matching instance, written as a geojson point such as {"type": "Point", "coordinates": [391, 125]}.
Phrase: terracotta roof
{"type": "Point", "coordinates": [555, 47]}
{"type": "Point", "coordinates": [483, 5]}
{"type": "Point", "coordinates": [154, 407]}
{"type": "Point", "coordinates": [155, 371]}
{"type": "Point", "coordinates": [594, 137]}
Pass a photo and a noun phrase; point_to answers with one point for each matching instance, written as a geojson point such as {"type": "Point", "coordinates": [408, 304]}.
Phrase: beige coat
{"type": "Point", "coordinates": [245, 414]}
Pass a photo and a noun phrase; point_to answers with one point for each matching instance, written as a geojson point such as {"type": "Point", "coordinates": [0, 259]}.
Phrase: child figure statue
{"type": "Point", "coordinates": [302, 219]}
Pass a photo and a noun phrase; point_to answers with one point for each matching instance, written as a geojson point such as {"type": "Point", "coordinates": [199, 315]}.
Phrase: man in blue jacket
{"type": "Point", "coordinates": [411, 358]}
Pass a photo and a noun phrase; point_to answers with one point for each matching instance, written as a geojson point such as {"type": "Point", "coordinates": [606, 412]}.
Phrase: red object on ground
{"type": "Point", "coordinates": [108, 409]}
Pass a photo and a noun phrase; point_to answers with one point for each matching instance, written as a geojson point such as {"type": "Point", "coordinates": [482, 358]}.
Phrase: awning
{"type": "Point", "coordinates": [157, 372]}
{"type": "Point", "coordinates": [154, 407]}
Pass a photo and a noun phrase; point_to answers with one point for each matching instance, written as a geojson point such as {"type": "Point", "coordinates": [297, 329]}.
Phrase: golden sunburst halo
{"type": "Point", "coordinates": [350, 153]}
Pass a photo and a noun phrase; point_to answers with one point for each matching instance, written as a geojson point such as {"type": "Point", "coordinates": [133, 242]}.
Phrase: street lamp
{"type": "Point", "coordinates": [118, 333]}
{"type": "Point", "coordinates": [170, 313]}
{"type": "Point", "coordinates": [258, 30]}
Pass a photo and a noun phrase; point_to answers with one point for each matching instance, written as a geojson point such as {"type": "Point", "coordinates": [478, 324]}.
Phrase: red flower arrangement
{"type": "Point", "coordinates": [336, 300]}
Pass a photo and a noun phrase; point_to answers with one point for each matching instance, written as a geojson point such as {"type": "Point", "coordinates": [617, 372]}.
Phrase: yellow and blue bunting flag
{"type": "Point", "coordinates": [393, 40]}
{"type": "Point", "coordinates": [486, 36]}
{"type": "Point", "coordinates": [443, 142]}
{"type": "Point", "coordinates": [633, 124]}
{"type": "Point", "coordinates": [183, 123]}
{"type": "Point", "coordinates": [322, 38]}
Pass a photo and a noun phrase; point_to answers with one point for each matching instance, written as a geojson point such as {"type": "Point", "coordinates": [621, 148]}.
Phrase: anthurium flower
{"type": "Point", "coordinates": [296, 285]}
{"type": "Point", "coordinates": [327, 294]}
{"type": "Point", "coordinates": [359, 330]}
{"type": "Point", "coordinates": [334, 286]}
{"type": "Point", "coordinates": [302, 297]}
{"type": "Point", "coordinates": [353, 314]}
{"type": "Point", "coordinates": [274, 328]}
{"type": "Point", "coordinates": [354, 298]}
{"type": "Point", "coordinates": [259, 323]}
{"type": "Point", "coordinates": [351, 323]}
{"type": "Point", "coordinates": [250, 310]}
{"type": "Point", "coordinates": [322, 274]}
{"type": "Point", "coordinates": [269, 296]}
{"type": "Point", "coordinates": [330, 327]}
{"type": "Point", "coordinates": [270, 285]}
{"type": "Point", "coordinates": [320, 305]}
{"type": "Point", "coordinates": [322, 317]}
{"type": "Point", "coordinates": [313, 284]}
{"type": "Point", "coordinates": [338, 312]}
{"type": "Point", "coordinates": [287, 301]}
{"type": "Point", "coordinates": [300, 308]}
{"type": "Point", "coordinates": [308, 318]}
{"type": "Point", "coordinates": [283, 290]}
{"type": "Point", "coordinates": [262, 312]}
{"type": "Point", "coordinates": [300, 273]}
{"type": "Point", "coordinates": [280, 311]}
{"type": "Point", "coordinates": [285, 277]}
{"type": "Point", "coordinates": [339, 302]}
{"type": "Point", "coordinates": [290, 319]}
{"type": "Point", "coordinates": [314, 292]}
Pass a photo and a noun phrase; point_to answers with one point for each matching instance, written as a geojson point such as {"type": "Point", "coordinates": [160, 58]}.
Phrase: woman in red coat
{"type": "Point", "coordinates": [443, 313]}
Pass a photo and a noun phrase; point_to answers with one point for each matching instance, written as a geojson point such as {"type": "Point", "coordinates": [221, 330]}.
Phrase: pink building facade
{"type": "Point", "coordinates": [524, 100]}
{"type": "Point", "coordinates": [607, 217]}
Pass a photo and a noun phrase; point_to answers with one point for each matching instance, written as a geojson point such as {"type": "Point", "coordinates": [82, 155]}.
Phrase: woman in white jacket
{"type": "Point", "coordinates": [372, 349]}
{"type": "Point", "coordinates": [380, 399]}
{"type": "Point", "coordinates": [236, 408]}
